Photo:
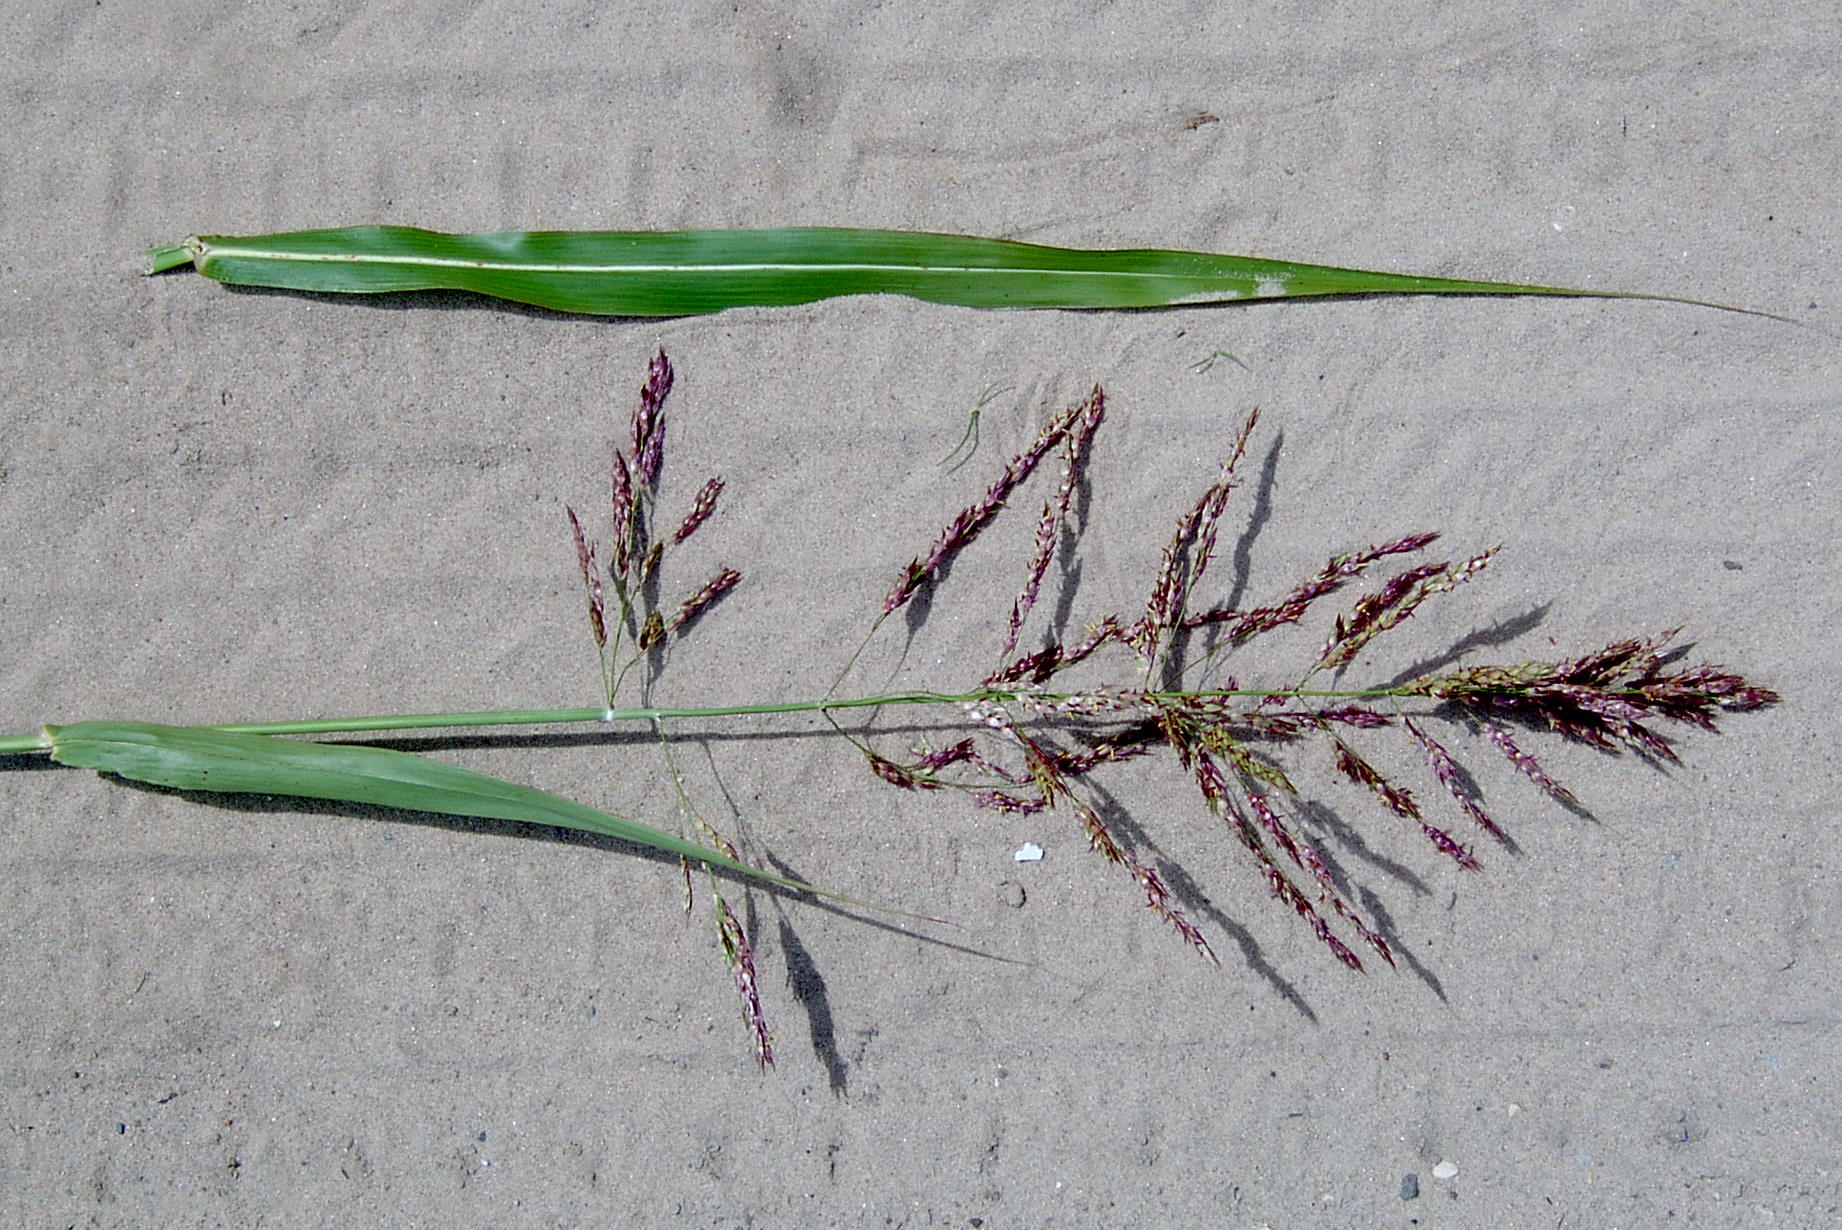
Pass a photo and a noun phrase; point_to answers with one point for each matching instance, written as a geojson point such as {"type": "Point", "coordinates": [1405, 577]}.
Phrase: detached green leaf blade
{"type": "Point", "coordinates": [679, 273]}
{"type": "Point", "coordinates": [196, 758]}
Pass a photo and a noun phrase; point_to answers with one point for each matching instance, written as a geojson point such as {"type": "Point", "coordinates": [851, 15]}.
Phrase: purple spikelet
{"type": "Point", "coordinates": [703, 599]}
{"type": "Point", "coordinates": [647, 434]}
{"type": "Point", "coordinates": [701, 508]}
{"type": "Point", "coordinates": [623, 506]}
{"type": "Point", "coordinates": [741, 958]}
{"type": "Point", "coordinates": [1446, 770]}
{"type": "Point", "coordinates": [591, 580]}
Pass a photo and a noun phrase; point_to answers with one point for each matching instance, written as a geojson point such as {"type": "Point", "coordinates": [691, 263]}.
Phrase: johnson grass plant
{"type": "Point", "coordinates": [1180, 679]}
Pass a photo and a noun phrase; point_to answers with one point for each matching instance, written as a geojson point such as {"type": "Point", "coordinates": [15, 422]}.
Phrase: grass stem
{"type": "Point", "coordinates": [12, 745]}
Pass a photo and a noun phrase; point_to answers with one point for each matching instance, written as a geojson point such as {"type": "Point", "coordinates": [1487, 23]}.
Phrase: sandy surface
{"type": "Point", "coordinates": [221, 505]}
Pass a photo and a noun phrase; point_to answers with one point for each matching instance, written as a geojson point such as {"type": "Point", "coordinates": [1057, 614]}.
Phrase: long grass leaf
{"type": "Point", "coordinates": [197, 758]}
{"type": "Point", "coordinates": [681, 273]}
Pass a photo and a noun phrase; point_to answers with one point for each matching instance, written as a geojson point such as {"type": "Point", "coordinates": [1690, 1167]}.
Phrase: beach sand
{"type": "Point", "coordinates": [225, 505]}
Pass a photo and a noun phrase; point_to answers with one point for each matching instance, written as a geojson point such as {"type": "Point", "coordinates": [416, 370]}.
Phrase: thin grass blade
{"type": "Point", "coordinates": [682, 273]}
{"type": "Point", "coordinates": [223, 762]}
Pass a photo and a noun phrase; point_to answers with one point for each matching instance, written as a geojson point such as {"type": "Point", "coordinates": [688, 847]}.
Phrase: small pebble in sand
{"type": "Point", "coordinates": [1013, 894]}
{"type": "Point", "coordinates": [1445, 1170]}
{"type": "Point", "coordinates": [1029, 852]}
{"type": "Point", "coordinates": [1410, 1187]}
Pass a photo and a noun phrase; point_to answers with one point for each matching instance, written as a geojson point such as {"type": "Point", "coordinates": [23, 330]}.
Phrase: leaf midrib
{"type": "Point", "coordinates": [218, 252]}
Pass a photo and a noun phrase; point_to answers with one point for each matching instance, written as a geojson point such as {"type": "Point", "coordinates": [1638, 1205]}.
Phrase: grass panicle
{"type": "Point", "coordinates": [1044, 732]}
{"type": "Point", "coordinates": [1243, 745]}
{"type": "Point", "coordinates": [638, 556]}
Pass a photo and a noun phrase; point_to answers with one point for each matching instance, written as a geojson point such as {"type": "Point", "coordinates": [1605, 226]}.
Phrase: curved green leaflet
{"type": "Point", "coordinates": [225, 762]}
{"type": "Point", "coordinates": [681, 273]}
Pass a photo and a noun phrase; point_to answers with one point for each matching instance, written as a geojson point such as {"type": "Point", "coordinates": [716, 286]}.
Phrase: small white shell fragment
{"type": "Point", "coordinates": [1447, 1169]}
{"type": "Point", "coordinates": [1029, 852]}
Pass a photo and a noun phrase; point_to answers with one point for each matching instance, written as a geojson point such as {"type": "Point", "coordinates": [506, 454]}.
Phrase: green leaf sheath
{"type": "Point", "coordinates": [680, 273]}
{"type": "Point", "coordinates": [195, 758]}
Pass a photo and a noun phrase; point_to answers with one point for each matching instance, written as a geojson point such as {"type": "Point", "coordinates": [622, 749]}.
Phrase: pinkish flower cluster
{"type": "Point", "coordinates": [1045, 720]}
{"type": "Point", "coordinates": [1226, 735]}
{"type": "Point", "coordinates": [637, 555]}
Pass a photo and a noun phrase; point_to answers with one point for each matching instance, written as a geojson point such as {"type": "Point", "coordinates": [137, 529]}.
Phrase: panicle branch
{"type": "Point", "coordinates": [1157, 894]}
{"type": "Point", "coordinates": [1451, 777]}
{"type": "Point", "coordinates": [625, 510]}
{"type": "Point", "coordinates": [741, 958]}
{"type": "Point", "coordinates": [1055, 511]}
{"type": "Point", "coordinates": [899, 776]}
{"type": "Point", "coordinates": [647, 434]}
{"type": "Point", "coordinates": [961, 531]}
{"type": "Point", "coordinates": [1290, 609]}
{"type": "Point", "coordinates": [1288, 892]}
{"type": "Point", "coordinates": [1005, 801]}
{"type": "Point", "coordinates": [1188, 554]}
{"type": "Point", "coordinates": [1400, 801]}
{"type": "Point", "coordinates": [1391, 605]}
{"type": "Point", "coordinates": [591, 580]}
{"type": "Point", "coordinates": [1524, 763]}
{"type": "Point", "coordinates": [701, 508]}
{"type": "Point", "coordinates": [703, 599]}
{"type": "Point", "coordinates": [1213, 784]}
